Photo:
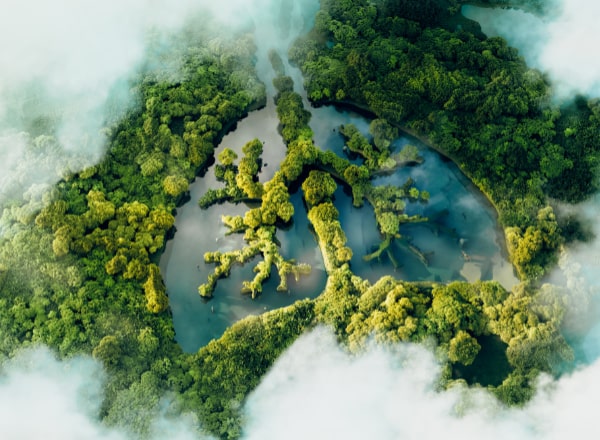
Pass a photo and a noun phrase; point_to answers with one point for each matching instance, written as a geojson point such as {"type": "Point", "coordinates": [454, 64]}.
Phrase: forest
{"type": "Point", "coordinates": [79, 270]}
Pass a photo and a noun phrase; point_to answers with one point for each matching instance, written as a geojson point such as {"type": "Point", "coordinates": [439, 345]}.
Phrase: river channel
{"type": "Point", "coordinates": [461, 240]}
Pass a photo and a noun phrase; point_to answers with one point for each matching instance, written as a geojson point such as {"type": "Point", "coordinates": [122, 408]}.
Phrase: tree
{"type": "Point", "coordinates": [283, 84]}
{"type": "Point", "coordinates": [154, 289]}
{"type": "Point", "coordinates": [276, 201]}
{"type": "Point", "coordinates": [175, 185]}
{"type": "Point", "coordinates": [383, 133]}
{"type": "Point", "coordinates": [108, 350]}
{"type": "Point", "coordinates": [463, 348]}
{"type": "Point", "coordinates": [227, 157]}
{"type": "Point", "coordinates": [389, 224]}
{"type": "Point", "coordinates": [318, 187]}
{"type": "Point", "coordinates": [100, 210]}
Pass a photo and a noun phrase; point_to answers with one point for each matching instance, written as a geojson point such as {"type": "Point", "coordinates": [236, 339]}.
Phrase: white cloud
{"type": "Point", "coordinates": [44, 398]}
{"type": "Point", "coordinates": [41, 397]}
{"type": "Point", "coordinates": [62, 61]}
{"type": "Point", "coordinates": [561, 44]}
{"type": "Point", "coordinates": [318, 391]}
{"type": "Point", "coordinates": [65, 56]}
{"type": "Point", "coordinates": [315, 390]}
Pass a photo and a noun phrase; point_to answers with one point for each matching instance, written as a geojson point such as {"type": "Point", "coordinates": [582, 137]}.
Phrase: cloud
{"type": "Point", "coordinates": [577, 271]}
{"type": "Point", "coordinates": [64, 72]}
{"type": "Point", "coordinates": [61, 61]}
{"type": "Point", "coordinates": [316, 390]}
{"type": "Point", "coordinates": [44, 398]}
{"type": "Point", "coordinates": [65, 67]}
{"type": "Point", "coordinates": [562, 43]}
{"type": "Point", "coordinates": [41, 397]}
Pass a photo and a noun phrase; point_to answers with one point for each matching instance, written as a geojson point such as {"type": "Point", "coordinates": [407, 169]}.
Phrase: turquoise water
{"type": "Point", "coordinates": [462, 223]}
{"type": "Point", "coordinates": [460, 241]}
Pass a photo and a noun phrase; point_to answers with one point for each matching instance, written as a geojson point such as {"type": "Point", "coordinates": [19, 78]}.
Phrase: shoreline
{"type": "Point", "coordinates": [463, 177]}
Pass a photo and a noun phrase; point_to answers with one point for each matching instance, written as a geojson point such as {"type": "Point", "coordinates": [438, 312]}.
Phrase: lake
{"type": "Point", "coordinates": [461, 241]}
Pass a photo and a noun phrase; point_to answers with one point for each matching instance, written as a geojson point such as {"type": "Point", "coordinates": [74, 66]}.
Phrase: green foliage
{"type": "Point", "coordinates": [283, 84]}
{"type": "Point", "coordinates": [318, 187]}
{"type": "Point", "coordinates": [330, 236]}
{"type": "Point", "coordinates": [154, 289]}
{"type": "Point", "coordinates": [463, 348]}
{"type": "Point", "coordinates": [390, 310]}
{"type": "Point", "coordinates": [212, 382]}
{"type": "Point", "coordinates": [79, 273]}
{"type": "Point", "coordinates": [383, 133]}
{"type": "Point", "coordinates": [258, 224]}
{"type": "Point", "coordinates": [175, 185]}
{"type": "Point", "coordinates": [276, 63]}
{"type": "Point", "coordinates": [300, 153]}
{"type": "Point", "coordinates": [227, 157]}
{"type": "Point", "coordinates": [338, 302]}
{"type": "Point", "coordinates": [276, 203]}
{"type": "Point", "coordinates": [533, 249]}
{"type": "Point", "coordinates": [248, 168]}
{"type": "Point", "coordinates": [293, 117]}
{"type": "Point", "coordinates": [470, 96]}
{"type": "Point", "coordinates": [241, 181]}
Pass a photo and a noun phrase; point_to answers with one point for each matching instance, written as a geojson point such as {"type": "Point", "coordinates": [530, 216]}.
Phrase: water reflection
{"type": "Point", "coordinates": [198, 321]}
{"type": "Point", "coordinates": [460, 241]}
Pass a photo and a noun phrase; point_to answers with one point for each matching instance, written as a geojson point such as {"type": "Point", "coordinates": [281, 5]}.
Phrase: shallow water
{"type": "Point", "coordinates": [461, 240]}
{"type": "Point", "coordinates": [468, 228]}
{"type": "Point", "coordinates": [462, 224]}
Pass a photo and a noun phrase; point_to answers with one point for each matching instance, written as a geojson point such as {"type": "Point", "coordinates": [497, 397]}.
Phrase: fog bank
{"type": "Point", "coordinates": [562, 43]}
{"type": "Point", "coordinates": [316, 390]}
{"type": "Point", "coordinates": [64, 72]}
{"type": "Point", "coordinates": [41, 397]}
{"type": "Point", "coordinates": [44, 398]}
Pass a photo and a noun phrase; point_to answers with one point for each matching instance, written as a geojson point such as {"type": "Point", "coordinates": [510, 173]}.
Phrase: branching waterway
{"type": "Point", "coordinates": [459, 242]}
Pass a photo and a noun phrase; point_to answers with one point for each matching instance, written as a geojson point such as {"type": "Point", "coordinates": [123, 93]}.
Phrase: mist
{"type": "Point", "coordinates": [561, 43]}
{"type": "Point", "coordinates": [43, 397]}
{"type": "Point", "coordinates": [317, 390]}
{"type": "Point", "coordinates": [577, 270]}
{"type": "Point", "coordinates": [64, 72]}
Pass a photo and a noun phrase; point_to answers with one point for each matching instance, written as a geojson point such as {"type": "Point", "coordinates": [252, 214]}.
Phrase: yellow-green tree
{"type": "Point", "coordinates": [175, 185]}
{"type": "Point", "coordinates": [318, 187]}
{"type": "Point", "coordinates": [154, 289]}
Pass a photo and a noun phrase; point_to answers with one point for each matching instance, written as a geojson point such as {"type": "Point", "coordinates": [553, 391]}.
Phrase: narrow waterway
{"type": "Point", "coordinates": [460, 242]}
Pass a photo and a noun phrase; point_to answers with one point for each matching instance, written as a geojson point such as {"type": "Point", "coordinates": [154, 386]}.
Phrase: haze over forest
{"type": "Point", "coordinates": [66, 73]}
